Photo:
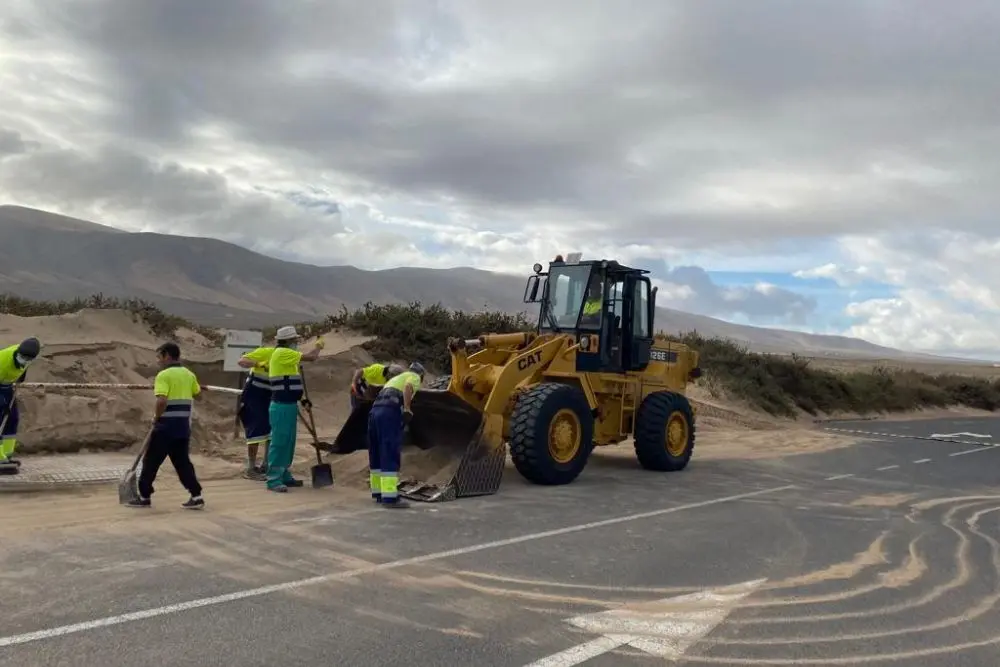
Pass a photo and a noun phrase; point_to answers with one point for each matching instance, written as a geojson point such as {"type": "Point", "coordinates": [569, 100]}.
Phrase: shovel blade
{"type": "Point", "coordinates": [128, 488]}
{"type": "Point", "coordinates": [322, 475]}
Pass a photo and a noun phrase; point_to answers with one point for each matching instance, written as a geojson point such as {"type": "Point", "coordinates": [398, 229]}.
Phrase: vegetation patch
{"type": "Point", "coordinates": [778, 385]}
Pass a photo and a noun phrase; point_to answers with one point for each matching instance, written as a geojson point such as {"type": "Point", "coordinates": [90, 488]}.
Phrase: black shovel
{"type": "Point", "coordinates": [322, 473]}
{"type": "Point", "coordinates": [128, 488]}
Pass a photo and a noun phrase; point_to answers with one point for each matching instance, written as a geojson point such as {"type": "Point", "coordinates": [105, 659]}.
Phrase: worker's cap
{"type": "Point", "coordinates": [392, 370]}
{"type": "Point", "coordinates": [286, 333]}
{"type": "Point", "coordinates": [29, 348]}
{"type": "Point", "coordinates": [418, 368]}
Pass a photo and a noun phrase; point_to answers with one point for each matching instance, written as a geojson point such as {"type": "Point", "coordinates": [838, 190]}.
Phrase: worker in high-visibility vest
{"type": "Point", "coordinates": [390, 413]}
{"type": "Point", "coordinates": [255, 402]}
{"type": "Point", "coordinates": [14, 362]}
{"type": "Point", "coordinates": [369, 380]}
{"type": "Point", "coordinates": [287, 390]}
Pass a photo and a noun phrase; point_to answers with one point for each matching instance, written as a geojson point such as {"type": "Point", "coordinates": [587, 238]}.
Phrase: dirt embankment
{"type": "Point", "coordinates": [113, 347]}
{"type": "Point", "coordinates": [108, 346]}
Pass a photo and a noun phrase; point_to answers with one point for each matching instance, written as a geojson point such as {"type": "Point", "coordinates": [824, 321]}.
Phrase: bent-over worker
{"type": "Point", "coordinates": [255, 403]}
{"type": "Point", "coordinates": [370, 380]}
{"type": "Point", "coordinates": [176, 388]}
{"type": "Point", "coordinates": [14, 362]}
{"type": "Point", "coordinates": [286, 392]}
{"type": "Point", "coordinates": [390, 414]}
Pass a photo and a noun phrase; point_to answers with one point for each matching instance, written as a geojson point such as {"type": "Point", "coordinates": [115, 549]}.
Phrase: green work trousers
{"type": "Point", "coordinates": [284, 428]}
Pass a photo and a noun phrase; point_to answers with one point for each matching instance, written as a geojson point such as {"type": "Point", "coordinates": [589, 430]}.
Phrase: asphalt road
{"type": "Point", "coordinates": [883, 553]}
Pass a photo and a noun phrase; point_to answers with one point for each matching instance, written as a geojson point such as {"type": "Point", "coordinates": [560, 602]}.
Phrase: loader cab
{"type": "Point", "coordinates": [606, 306]}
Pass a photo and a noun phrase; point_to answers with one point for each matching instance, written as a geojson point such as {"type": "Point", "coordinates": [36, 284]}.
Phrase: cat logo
{"type": "Point", "coordinates": [529, 361]}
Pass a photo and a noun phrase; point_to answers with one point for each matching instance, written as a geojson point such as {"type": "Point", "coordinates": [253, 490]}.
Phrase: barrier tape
{"type": "Point", "coordinates": [99, 385]}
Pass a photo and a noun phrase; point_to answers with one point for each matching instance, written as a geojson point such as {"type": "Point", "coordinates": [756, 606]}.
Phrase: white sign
{"type": "Point", "coordinates": [239, 343]}
{"type": "Point", "coordinates": [666, 628]}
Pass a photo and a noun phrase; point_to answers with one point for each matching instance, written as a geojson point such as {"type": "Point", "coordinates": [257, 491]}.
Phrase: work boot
{"type": "Point", "coordinates": [8, 468]}
{"type": "Point", "coordinates": [139, 502]}
{"type": "Point", "coordinates": [254, 474]}
{"type": "Point", "coordinates": [395, 504]}
{"type": "Point", "coordinates": [278, 489]}
{"type": "Point", "coordinates": [14, 461]}
{"type": "Point", "coordinates": [294, 483]}
{"type": "Point", "coordinates": [195, 503]}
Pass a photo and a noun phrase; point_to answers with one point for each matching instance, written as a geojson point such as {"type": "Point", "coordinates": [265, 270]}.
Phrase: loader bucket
{"type": "Point", "coordinates": [353, 434]}
{"type": "Point", "coordinates": [456, 455]}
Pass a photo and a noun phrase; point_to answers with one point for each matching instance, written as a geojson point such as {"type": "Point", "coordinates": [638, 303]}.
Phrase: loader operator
{"type": "Point", "coordinates": [285, 376]}
{"type": "Point", "coordinates": [14, 362]}
{"type": "Point", "coordinates": [255, 401]}
{"type": "Point", "coordinates": [593, 302]}
{"type": "Point", "coordinates": [390, 413]}
{"type": "Point", "coordinates": [369, 380]}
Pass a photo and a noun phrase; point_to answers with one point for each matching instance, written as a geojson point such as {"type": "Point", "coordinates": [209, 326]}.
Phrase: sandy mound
{"type": "Point", "coordinates": [104, 346]}
{"type": "Point", "coordinates": [110, 346]}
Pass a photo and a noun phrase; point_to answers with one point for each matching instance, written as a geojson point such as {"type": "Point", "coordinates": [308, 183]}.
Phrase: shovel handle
{"type": "Point", "coordinates": [142, 450]}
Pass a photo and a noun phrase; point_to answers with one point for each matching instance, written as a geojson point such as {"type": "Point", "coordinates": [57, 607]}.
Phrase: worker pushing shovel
{"type": "Point", "coordinates": [284, 371]}
{"type": "Point", "coordinates": [14, 362]}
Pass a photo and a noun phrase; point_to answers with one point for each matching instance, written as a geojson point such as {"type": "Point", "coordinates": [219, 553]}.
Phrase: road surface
{"type": "Point", "coordinates": [882, 553]}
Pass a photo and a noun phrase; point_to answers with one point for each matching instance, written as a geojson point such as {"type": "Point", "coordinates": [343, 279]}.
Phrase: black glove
{"type": "Point", "coordinates": [407, 417]}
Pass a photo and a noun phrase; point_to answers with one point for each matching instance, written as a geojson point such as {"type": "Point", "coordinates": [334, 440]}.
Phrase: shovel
{"type": "Point", "coordinates": [322, 473]}
{"type": "Point", "coordinates": [128, 487]}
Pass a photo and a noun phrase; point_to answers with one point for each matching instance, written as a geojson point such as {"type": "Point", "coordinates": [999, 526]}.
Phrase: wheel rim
{"type": "Point", "coordinates": [564, 436]}
{"type": "Point", "coordinates": [677, 434]}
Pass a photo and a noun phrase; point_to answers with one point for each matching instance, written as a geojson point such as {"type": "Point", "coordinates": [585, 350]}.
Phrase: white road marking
{"type": "Point", "coordinates": [830, 479]}
{"type": "Point", "coordinates": [971, 451]}
{"type": "Point", "coordinates": [199, 603]}
{"type": "Point", "coordinates": [958, 435]}
{"type": "Point", "coordinates": [887, 468]}
{"type": "Point", "coordinates": [666, 633]}
{"type": "Point", "coordinates": [922, 461]}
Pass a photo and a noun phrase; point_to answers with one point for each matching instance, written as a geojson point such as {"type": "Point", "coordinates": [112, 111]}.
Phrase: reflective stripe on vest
{"type": "Point", "coordinates": [176, 408]}
{"type": "Point", "coordinates": [286, 388]}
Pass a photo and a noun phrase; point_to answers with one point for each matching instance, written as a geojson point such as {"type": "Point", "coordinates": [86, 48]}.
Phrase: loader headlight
{"type": "Point", "coordinates": [537, 268]}
{"type": "Point", "coordinates": [584, 343]}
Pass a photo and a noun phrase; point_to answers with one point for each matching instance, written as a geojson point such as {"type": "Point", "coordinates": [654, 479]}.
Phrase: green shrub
{"type": "Point", "coordinates": [779, 385]}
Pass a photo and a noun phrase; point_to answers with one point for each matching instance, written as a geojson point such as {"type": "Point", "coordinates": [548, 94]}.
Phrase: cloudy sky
{"type": "Point", "coordinates": [829, 165]}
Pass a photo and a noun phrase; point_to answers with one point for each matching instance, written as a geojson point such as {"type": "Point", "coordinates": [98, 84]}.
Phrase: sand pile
{"type": "Point", "coordinates": [109, 346]}
{"type": "Point", "coordinates": [105, 346]}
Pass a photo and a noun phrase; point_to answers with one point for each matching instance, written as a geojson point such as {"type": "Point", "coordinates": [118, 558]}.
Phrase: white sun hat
{"type": "Point", "coordinates": [286, 333]}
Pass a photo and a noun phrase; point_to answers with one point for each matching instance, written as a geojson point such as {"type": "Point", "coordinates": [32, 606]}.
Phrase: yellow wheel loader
{"type": "Point", "coordinates": [592, 374]}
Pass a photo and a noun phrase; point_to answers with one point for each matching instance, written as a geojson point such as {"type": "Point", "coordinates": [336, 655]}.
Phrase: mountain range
{"type": "Point", "coordinates": [45, 256]}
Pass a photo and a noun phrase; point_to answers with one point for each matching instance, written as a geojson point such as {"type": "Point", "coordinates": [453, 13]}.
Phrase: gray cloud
{"type": "Point", "coordinates": [165, 197]}
{"type": "Point", "coordinates": [818, 90]}
{"type": "Point", "coordinates": [690, 123]}
{"type": "Point", "coordinates": [699, 294]}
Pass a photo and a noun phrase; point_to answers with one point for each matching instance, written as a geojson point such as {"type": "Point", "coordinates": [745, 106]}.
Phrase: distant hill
{"type": "Point", "coordinates": [49, 256]}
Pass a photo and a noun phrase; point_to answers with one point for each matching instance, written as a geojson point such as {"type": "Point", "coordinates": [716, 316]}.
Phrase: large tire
{"type": "Point", "coordinates": [664, 432]}
{"type": "Point", "coordinates": [551, 433]}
